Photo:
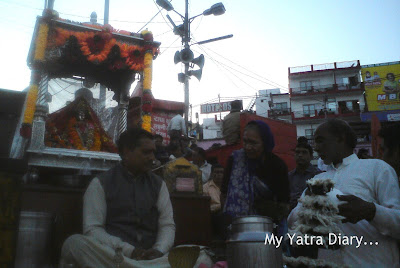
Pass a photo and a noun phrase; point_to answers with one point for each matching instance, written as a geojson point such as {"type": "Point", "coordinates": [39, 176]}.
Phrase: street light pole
{"type": "Point", "coordinates": [103, 89]}
{"type": "Point", "coordinates": [186, 83]}
{"type": "Point", "coordinates": [106, 11]}
{"type": "Point", "coordinates": [186, 55]}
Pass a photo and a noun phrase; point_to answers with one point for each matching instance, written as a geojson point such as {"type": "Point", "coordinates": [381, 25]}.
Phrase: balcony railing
{"type": "Point", "coordinates": [322, 114]}
{"type": "Point", "coordinates": [278, 112]}
{"type": "Point", "coordinates": [325, 66]}
{"type": "Point", "coordinates": [333, 88]}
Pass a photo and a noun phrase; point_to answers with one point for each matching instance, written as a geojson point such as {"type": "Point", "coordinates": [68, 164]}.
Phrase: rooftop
{"type": "Point", "coordinates": [324, 67]}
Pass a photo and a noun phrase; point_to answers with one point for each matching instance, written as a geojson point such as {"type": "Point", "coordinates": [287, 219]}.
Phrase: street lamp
{"type": "Point", "coordinates": [216, 9]}
{"type": "Point", "coordinates": [186, 56]}
{"type": "Point", "coordinates": [165, 5]}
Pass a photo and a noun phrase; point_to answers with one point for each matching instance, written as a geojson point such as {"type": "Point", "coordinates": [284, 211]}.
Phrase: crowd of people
{"type": "Point", "coordinates": [128, 208]}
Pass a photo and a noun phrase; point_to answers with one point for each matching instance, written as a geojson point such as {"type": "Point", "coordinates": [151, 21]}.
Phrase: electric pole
{"type": "Point", "coordinates": [220, 108]}
{"type": "Point", "coordinates": [186, 83]}
{"type": "Point", "coordinates": [186, 55]}
{"type": "Point", "coordinates": [103, 89]}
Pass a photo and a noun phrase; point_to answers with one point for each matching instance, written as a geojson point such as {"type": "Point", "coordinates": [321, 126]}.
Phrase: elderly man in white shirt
{"type": "Point", "coordinates": [372, 195]}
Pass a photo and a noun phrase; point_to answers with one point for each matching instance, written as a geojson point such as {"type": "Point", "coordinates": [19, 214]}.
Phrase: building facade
{"type": "Point", "coordinates": [322, 91]}
{"type": "Point", "coordinates": [316, 93]}
{"type": "Point", "coordinates": [212, 128]}
{"type": "Point", "coordinates": [274, 104]}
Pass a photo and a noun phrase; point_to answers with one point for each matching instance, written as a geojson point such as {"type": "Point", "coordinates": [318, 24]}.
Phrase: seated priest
{"type": "Point", "coordinates": [127, 212]}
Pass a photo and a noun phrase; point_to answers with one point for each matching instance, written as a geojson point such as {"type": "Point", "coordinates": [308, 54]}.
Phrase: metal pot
{"type": "Point", "coordinates": [246, 246]}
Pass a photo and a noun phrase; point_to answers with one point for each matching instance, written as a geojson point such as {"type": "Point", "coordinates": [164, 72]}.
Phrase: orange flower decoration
{"type": "Point", "coordinates": [93, 141]}
{"type": "Point", "coordinates": [94, 46]}
{"type": "Point", "coordinates": [134, 56]}
{"type": "Point", "coordinates": [61, 36]}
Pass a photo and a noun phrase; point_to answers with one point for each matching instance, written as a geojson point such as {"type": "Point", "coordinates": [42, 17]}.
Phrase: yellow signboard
{"type": "Point", "coordinates": [382, 86]}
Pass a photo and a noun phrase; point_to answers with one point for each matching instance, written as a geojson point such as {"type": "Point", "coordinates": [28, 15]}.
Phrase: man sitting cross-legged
{"type": "Point", "coordinates": [125, 209]}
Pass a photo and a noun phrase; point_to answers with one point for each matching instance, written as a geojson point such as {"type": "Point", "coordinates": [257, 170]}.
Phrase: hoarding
{"type": "Point", "coordinates": [159, 123]}
{"type": "Point", "coordinates": [210, 108]}
{"type": "Point", "coordinates": [382, 86]}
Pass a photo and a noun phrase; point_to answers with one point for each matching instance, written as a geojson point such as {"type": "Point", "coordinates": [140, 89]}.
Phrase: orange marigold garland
{"type": "Point", "coordinates": [147, 105]}
{"type": "Point", "coordinates": [41, 42]}
{"type": "Point", "coordinates": [147, 73]}
{"type": "Point", "coordinates": [53, 138]}
{"type": "Point", "coordinates": [146, 125]}
{"type": "Point", "coordinates": [93, 139]}
{"type": "Point", "coordinates": [96, 48]}
{"type": "Point", "coordinates": [61, 36]}
{"type": "Point", "coordinates": [134, 56]}
{"type": "Point", "coordinates": [30, 104]}
{"type": "Point", "coordinates": [67, 128]}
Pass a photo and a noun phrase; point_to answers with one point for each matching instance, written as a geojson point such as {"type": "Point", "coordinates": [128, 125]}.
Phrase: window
{"type": "Point", "coordinates": [353, 80]}
{"type": "Point", "coordinates": [349, 106]}
{"type": "Point", "coordinates": [309, 110]}
{"type": "Point", "coordinates": [305, 85]}
{"type": "Point", "coordinates": [309, 85]}
{"type": "Point", "coordinates": [309, 134]}
{"type": "Point", "coordinates": [331, 105]}
{"type": "Point", "coordinates": [282, 106]}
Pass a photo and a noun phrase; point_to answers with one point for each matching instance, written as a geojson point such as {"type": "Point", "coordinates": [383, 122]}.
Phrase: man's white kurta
{"type": "Point", "coordinates": [374, 181]}
{"type": "Point", "coordinates": [94, 219]}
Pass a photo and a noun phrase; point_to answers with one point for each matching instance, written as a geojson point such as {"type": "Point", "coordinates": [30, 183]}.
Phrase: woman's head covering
{"type": "Point", "coordinates": [266, 134]}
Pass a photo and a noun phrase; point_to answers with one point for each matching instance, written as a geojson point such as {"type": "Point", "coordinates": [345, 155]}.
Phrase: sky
{"type": "Point", "coordinates": [268, 37]}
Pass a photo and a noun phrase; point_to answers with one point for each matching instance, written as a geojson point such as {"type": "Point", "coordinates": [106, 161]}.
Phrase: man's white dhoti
{"type": "Point", "coordinates": [85, 252]}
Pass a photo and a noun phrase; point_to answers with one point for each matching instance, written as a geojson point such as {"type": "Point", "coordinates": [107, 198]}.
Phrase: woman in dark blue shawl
{"type": "Point", "coordinates": [256, 180]}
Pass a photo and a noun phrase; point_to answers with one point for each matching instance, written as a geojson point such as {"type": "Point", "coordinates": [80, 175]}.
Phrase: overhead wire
{"type": "Point", "coordinates": [64, 89]}
{"type": "Point", "coordinates": [216, 63]}
{"type": "Point", "coordinates": [280, 86]}
{"type": "Point", "coordinates": [18, 23]}
{"type": "Point", "coordinates": [21, 5]}
{"type": "Point", "coordinates": [161, 52]}
{"type": "Point", "coordinates": [81, 16]}
{"type": "Point", "coordinates": [163, 33]}
{"type": "Point", "coordinates": [159, 11]}
{"type": "Point", "coordinates": [222, 98]}
{"type": "Point", "coordinates": [219, 67]}
{"type": "Point", "coordinates": [18, 28]}
{"type": "Point", "coordinates": [201, 47]}
{"type": "Point", "coordinates": [232, 73]}
{"type": "Point", "coordinates": [317, 100]}
{"type": "Point", "coordinates": [269, 83]}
